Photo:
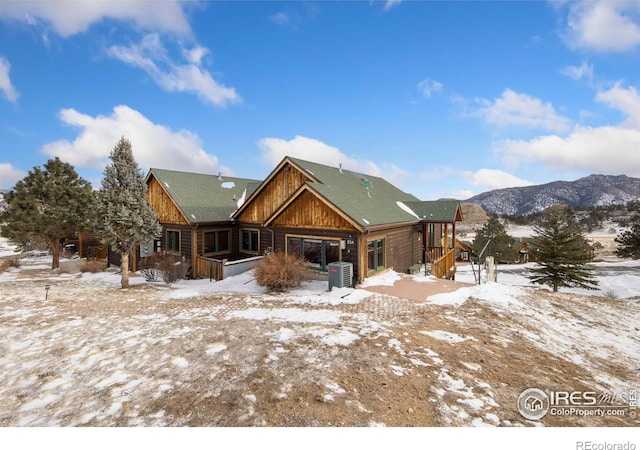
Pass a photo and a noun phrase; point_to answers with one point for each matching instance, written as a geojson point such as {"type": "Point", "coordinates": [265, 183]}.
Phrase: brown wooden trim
{"type": "Point", "coordinates": [390, 226]}
{"type": "Point", "coordinates": [151, 177]}
{"type": "Point", "coordinates": [271, 176]}
{"type": "Point", "coordinates": [297, 194]}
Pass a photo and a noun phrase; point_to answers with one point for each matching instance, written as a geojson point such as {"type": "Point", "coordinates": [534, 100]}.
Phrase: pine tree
{"type": "Point", "coordinates": [562, 252]}
{"type": "Point", "coordinates": [629, 243]}
{"type": "Point", "coordinates": [47, 206]}
{"type": "Point", "coordinates": [501, 245]}
{"type": "Point", "coordinates": [126, 219]}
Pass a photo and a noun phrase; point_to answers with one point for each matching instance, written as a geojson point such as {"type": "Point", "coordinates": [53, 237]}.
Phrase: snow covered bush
{"type": "Point", "coordinates": [280, 271]}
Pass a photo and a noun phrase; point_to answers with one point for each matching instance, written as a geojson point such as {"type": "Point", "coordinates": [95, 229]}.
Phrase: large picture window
{"type": "Point", "coordinates": [249, 241]}
{"type": "Point", "coordinates": [173, 241]}
{"type": "Point", "coordinates": [317, 252]}
{"type": "Point", "coordinates": [216, 242]}
{"type": "Point", "coordinates": [375, 256]}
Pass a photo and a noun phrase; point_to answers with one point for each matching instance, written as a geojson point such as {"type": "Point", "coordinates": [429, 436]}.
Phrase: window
{"type": "Point", "coordinates": [375, 256]}
{"type": "Point", "coordinates": [317, 252]}
{"type": "Point", "coordinates": [173, 241]}
{"type": "Point", "coordinates": [249, 241]}
{"type": "Point", "coordinates": [216, 242]}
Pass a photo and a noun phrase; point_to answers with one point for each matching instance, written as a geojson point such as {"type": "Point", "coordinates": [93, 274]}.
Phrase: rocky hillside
{"type": "Point", "coordinates": [594, 190]}
{"type": "Point", "coordinates": [474, 217]}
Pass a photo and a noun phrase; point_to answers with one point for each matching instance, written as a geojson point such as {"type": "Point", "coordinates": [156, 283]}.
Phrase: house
{"type": "Point", "coordinates": [195, 211]}
{"type": "Point", "coordinates": [87, 245]}
{"type": "Point", "coordinates": [324, 214]}
{"type": "Point", "coordinates": [327, 214]}
{"type": "Point", "coordinates": [525, 248]}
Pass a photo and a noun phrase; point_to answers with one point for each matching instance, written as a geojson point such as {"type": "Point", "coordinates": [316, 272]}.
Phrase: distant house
{"type": "Point", "coordinates": [525, 248]}
{"type": "Point", "coordinates": [87, 245]}
{"type": "Point", "coordinates": [324, 214]}
{"type": "Point", "coordinates": [327, 214]}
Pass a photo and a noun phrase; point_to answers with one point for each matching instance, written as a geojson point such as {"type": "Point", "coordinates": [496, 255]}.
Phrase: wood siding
{"type": "Point", "coordinates": [163, 205]}
{"type": "Point", "coordinates": [186, 241]}
{"type": "Point", "coordinates": [308, 211]}
{"type": "Point", "coordinates": [278, 189]}
{"type": "Point", "coordinates": [403, 248]}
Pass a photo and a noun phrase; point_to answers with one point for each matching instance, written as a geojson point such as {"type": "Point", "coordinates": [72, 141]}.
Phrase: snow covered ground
{"type": "Point", "coordinates": [79, 351]}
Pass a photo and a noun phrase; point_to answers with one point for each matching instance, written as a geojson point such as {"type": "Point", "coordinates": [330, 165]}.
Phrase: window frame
{"type": "Point", "coordinates": [377, 251]}
{"type": "Point", "coordinates": [169, 247]}
{"type": "Point", "coordinates": [249, 251]}
{"type": "Point", "coordinates": [324, 241]}
{"type": "Point", "coordinates": [216, 245]}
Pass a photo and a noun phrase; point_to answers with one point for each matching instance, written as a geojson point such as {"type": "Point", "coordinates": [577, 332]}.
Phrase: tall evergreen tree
{"type": "Point", "coordinates": [501, 245]}
{"type": "Point", "coordinates": [48, 206]}
{"type": "Point", "coordinates": [562, 252]}
{"type": "Point", "coordinates": [629, 243]}
{"type": "Point", "coordinates": [126, 219]}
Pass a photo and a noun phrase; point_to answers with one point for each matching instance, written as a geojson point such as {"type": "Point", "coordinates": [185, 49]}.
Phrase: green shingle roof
{"type": "Point", "coordinates": [370, 200]}
{"type": "Point", "coordinates": [205, 198]}
{"type": "Point", "coordinates": [436, 210]}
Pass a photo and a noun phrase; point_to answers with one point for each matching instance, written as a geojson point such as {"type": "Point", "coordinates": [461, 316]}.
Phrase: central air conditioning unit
{"type": "Point", "coordinates": [340, 274]}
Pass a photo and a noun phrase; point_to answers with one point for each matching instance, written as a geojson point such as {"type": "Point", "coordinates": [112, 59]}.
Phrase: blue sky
{"type": "Point", "coordinates": [444, 99]}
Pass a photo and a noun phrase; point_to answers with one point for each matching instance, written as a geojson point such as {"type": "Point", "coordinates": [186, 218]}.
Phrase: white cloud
{"type": "Point", "coordinates": [390, 4]}
{"type": "Point", "coordinates": [9, 175]}
{"type": "Point", "coordinates": [281, 18]}
{"type": "Point", "coordinates": [428, 87]}
{"type": "Point", "coordinates": [604, 25]}
{"type": "Point", "coordinates": [153, 145]}
{"type": "Point", "coordinates": [608, 150]}
{"type": "Point", "coordinates": [274, 150]}
{"type": "Point", "coordinates": [69, 18]}
{"type": "Point", "coordinates": [5, 82]}
{"type": "Point", "coordinates": [625, 100]}
{"type": "Point", "coordinates": [611, 149]}
{"type": "Point", "coordinates": [523, 110]}
{"type": "Point", "coordinates": [196, 54]}
{"type": "Point", "coordinates": [582, 72]}
{"type": "Point", "coordinates": [152, 57]}
{"type": "Point", "coordinates": [490, 179]}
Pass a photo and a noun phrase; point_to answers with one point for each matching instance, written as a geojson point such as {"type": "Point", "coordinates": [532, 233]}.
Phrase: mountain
{"type": "Point", "coordinates": [594, 190]}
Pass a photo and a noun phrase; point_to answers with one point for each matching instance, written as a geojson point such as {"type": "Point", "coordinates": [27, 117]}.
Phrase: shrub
{"type": "Point", "coordinates": [94, 265]}
{"type": "Point", "coordinates": [172, 268]}
{"type": "Point", "coordinates": [14, 262]}
{"type": "Point", "coordinates": [150, 267]}
{"type": "Point", "coordinates": [280, 271]}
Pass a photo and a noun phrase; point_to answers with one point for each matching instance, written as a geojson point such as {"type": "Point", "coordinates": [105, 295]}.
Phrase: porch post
{"type": "Point", "coordinates": [453, 236]}
{"type": "Point", "coordinates": [424, 247]}
{"type": "Point", "coordinates": [445, 243]}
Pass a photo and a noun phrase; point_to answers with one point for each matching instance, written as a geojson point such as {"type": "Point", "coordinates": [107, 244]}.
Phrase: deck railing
{"type": "Point", "coordinates": [209, 268]}
{"type": "Point", "coordinates": [218, 269]}
{"type": "Point", "coordinates": [445, 266]}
